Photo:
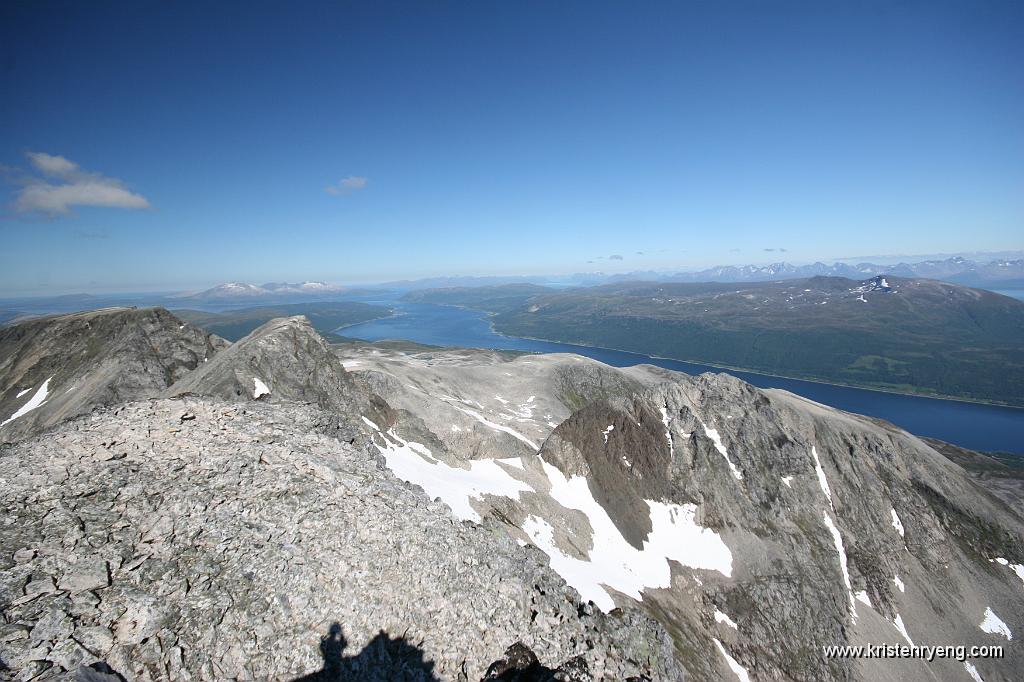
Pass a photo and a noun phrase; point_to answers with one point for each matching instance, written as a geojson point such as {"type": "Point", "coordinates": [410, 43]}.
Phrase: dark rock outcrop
{"type": "Point", "coordinates": [72, 364]}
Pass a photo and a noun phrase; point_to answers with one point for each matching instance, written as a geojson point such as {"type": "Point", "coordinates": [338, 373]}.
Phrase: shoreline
{"type": "Point", "coordinates": [822, 382]}
{"type": "Point", "coordinates": [487, 316]}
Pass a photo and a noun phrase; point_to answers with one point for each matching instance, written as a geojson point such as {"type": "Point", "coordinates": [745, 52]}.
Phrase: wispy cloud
{"type": "Point", "coordinates": [615, 256]}
{"type": "Point", "coordinates": [64, 184]}
{"type": "Point", "coordinates": [346, 186]}
{"type": "Point", "coordinates": [780, 250]}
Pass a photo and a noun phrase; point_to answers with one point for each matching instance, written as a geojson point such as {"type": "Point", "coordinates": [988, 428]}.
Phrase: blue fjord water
{"type": "Point", "coordinates": [969, 425]}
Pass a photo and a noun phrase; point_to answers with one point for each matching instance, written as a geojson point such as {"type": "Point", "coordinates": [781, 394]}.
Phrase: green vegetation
{"type": "Point", "coordinates": [494, 299]}
{"type": "Point", "coordinates": [920, 336]}
{"type": "Point", "coordinates": [325, 317]}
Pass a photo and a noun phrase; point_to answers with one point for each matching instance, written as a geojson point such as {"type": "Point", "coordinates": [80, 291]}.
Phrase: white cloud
{"type": "Point", "coordinates": [71, 186]}
{"type": "Point", "coordinates": [346, 186]}
{"type": "Point", "coordinates": [52, 165]}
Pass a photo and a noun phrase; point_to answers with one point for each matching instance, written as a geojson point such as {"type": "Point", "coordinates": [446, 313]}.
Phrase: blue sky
{"type": "Point", "coordinates": [358, 142]}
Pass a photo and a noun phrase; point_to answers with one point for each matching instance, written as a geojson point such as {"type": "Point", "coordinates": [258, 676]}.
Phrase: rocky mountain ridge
{"type": "Point", "coordinates": [55, 368]}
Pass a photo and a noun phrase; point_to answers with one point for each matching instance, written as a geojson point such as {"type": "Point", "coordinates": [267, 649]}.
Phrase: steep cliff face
{"type": "Point", "coordinates": [841, 529]}
{"type": "Point", "coordinates": [55, 368]}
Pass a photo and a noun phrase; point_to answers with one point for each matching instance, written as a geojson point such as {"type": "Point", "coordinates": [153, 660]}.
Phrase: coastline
{"type": "Point", "coordinates": [822, 382]}
{"type": "Point", "coordinates": [488, 317]}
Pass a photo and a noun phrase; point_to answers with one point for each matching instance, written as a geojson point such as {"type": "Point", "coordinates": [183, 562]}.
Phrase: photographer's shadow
{"type": "Point", "coordinates": [383, 658]}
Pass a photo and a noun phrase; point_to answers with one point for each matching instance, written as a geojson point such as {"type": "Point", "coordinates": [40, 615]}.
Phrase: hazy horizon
{"type": "Point", "coordinates": [548, 277]}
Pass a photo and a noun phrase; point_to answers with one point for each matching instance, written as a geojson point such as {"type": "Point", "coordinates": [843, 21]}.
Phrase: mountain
{"type": "Point", "coordinates": [284, 360]}
{"type": "Point", "coordinates": [460, 281]}
{"type": "Point", "coordinates": [999, 273]}
{"type": "Point", "coordinates": [757, 526]}
{"type": "Point", "coordinates": [907, 335]}
{"type": "Point", "coordinates": [234, 292]}
{"type": "Point", "coordinates": [326, 317]}
{"type": "Point", "coordinates": [293, 510]}
{"type": "Point", "coordinates": [55, 368]}
{"type": "Point", "coordinates": [1002, 273]}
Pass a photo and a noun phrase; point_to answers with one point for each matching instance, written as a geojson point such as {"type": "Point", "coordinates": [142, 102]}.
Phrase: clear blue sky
{"type": "Point", "coordinates": [197, 143]}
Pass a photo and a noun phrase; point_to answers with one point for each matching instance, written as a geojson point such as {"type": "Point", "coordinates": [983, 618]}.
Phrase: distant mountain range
{"type": "Point", "coordinates": [1001, 273]}
{"type": "Point", "coordinates": [1005, 273]}
{"type": "Point", "coordinates": [240, 291]}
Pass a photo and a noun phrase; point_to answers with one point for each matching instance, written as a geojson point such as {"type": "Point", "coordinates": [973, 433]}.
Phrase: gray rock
{"type": "Point", "coordinates": [85, 575]}
{"type": "Point", "coordinates": [252, 547]}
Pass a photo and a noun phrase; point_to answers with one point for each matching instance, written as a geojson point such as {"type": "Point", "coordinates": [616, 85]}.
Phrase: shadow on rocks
{"type": "Point", "coordinates": [520, 664]}
{"type": "Point", "coordinates": [383, 658]}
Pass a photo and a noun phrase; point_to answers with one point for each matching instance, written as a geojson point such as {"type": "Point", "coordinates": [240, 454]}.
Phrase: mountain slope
{"type": "Point", "coordinates": [55, 368]}
{"type": "Point", "coordinates": [758, 527]}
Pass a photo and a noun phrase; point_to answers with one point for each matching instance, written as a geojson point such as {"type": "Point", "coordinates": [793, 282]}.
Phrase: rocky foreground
{"type": "Point", "coordinates": [195, 539]}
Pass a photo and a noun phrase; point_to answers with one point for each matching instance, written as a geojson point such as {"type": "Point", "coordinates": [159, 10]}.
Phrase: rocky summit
{"type": "Point", "coordinates": [280, 508]}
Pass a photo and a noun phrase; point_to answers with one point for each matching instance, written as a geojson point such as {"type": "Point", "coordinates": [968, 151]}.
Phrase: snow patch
{"type": "Point", "coordinates": [37, 399]}
{"type": "Point", "coordinates": [613, 561]}
{"type": "Point", "coordinates": [740, 671]}
{"type": "Point", "coordinates": [497, 427]}
{"type": "Point", "coordinates": [717, 439]}
{"type": "Point", "coordinates": [22, 392]}
{"type": "Point", "coordinates": [455, 486]}
{"type": "Point", "coordinates": [899, 583]}
{"type": "Point", "coordinates": [896, 523]}
{"type": "Point", "coordinates": [837, 539]}
{"type": "Point", "coordinates": [722, 618]}
{"type": "Point", "coordinates": [261, 388]}
{"type": "Point", "coordinates": [611, 427]}
{"type": "Point", "coordinates": [787, 480]}
{"type": "Point", "coordinates": [863, 598]}
{"type": "Point", "coordinates": [1016, 568]}
{"type": "Point", "coordinates": [994, 625]}
{"type": "Point", "coordinates": [898, 622]}
{"type": "Point", "coordinates": [822, 481]}
{"type": "Point", "coordinates": [973, 672]}
{"type": "Point", "coordinates": [668, 432]}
